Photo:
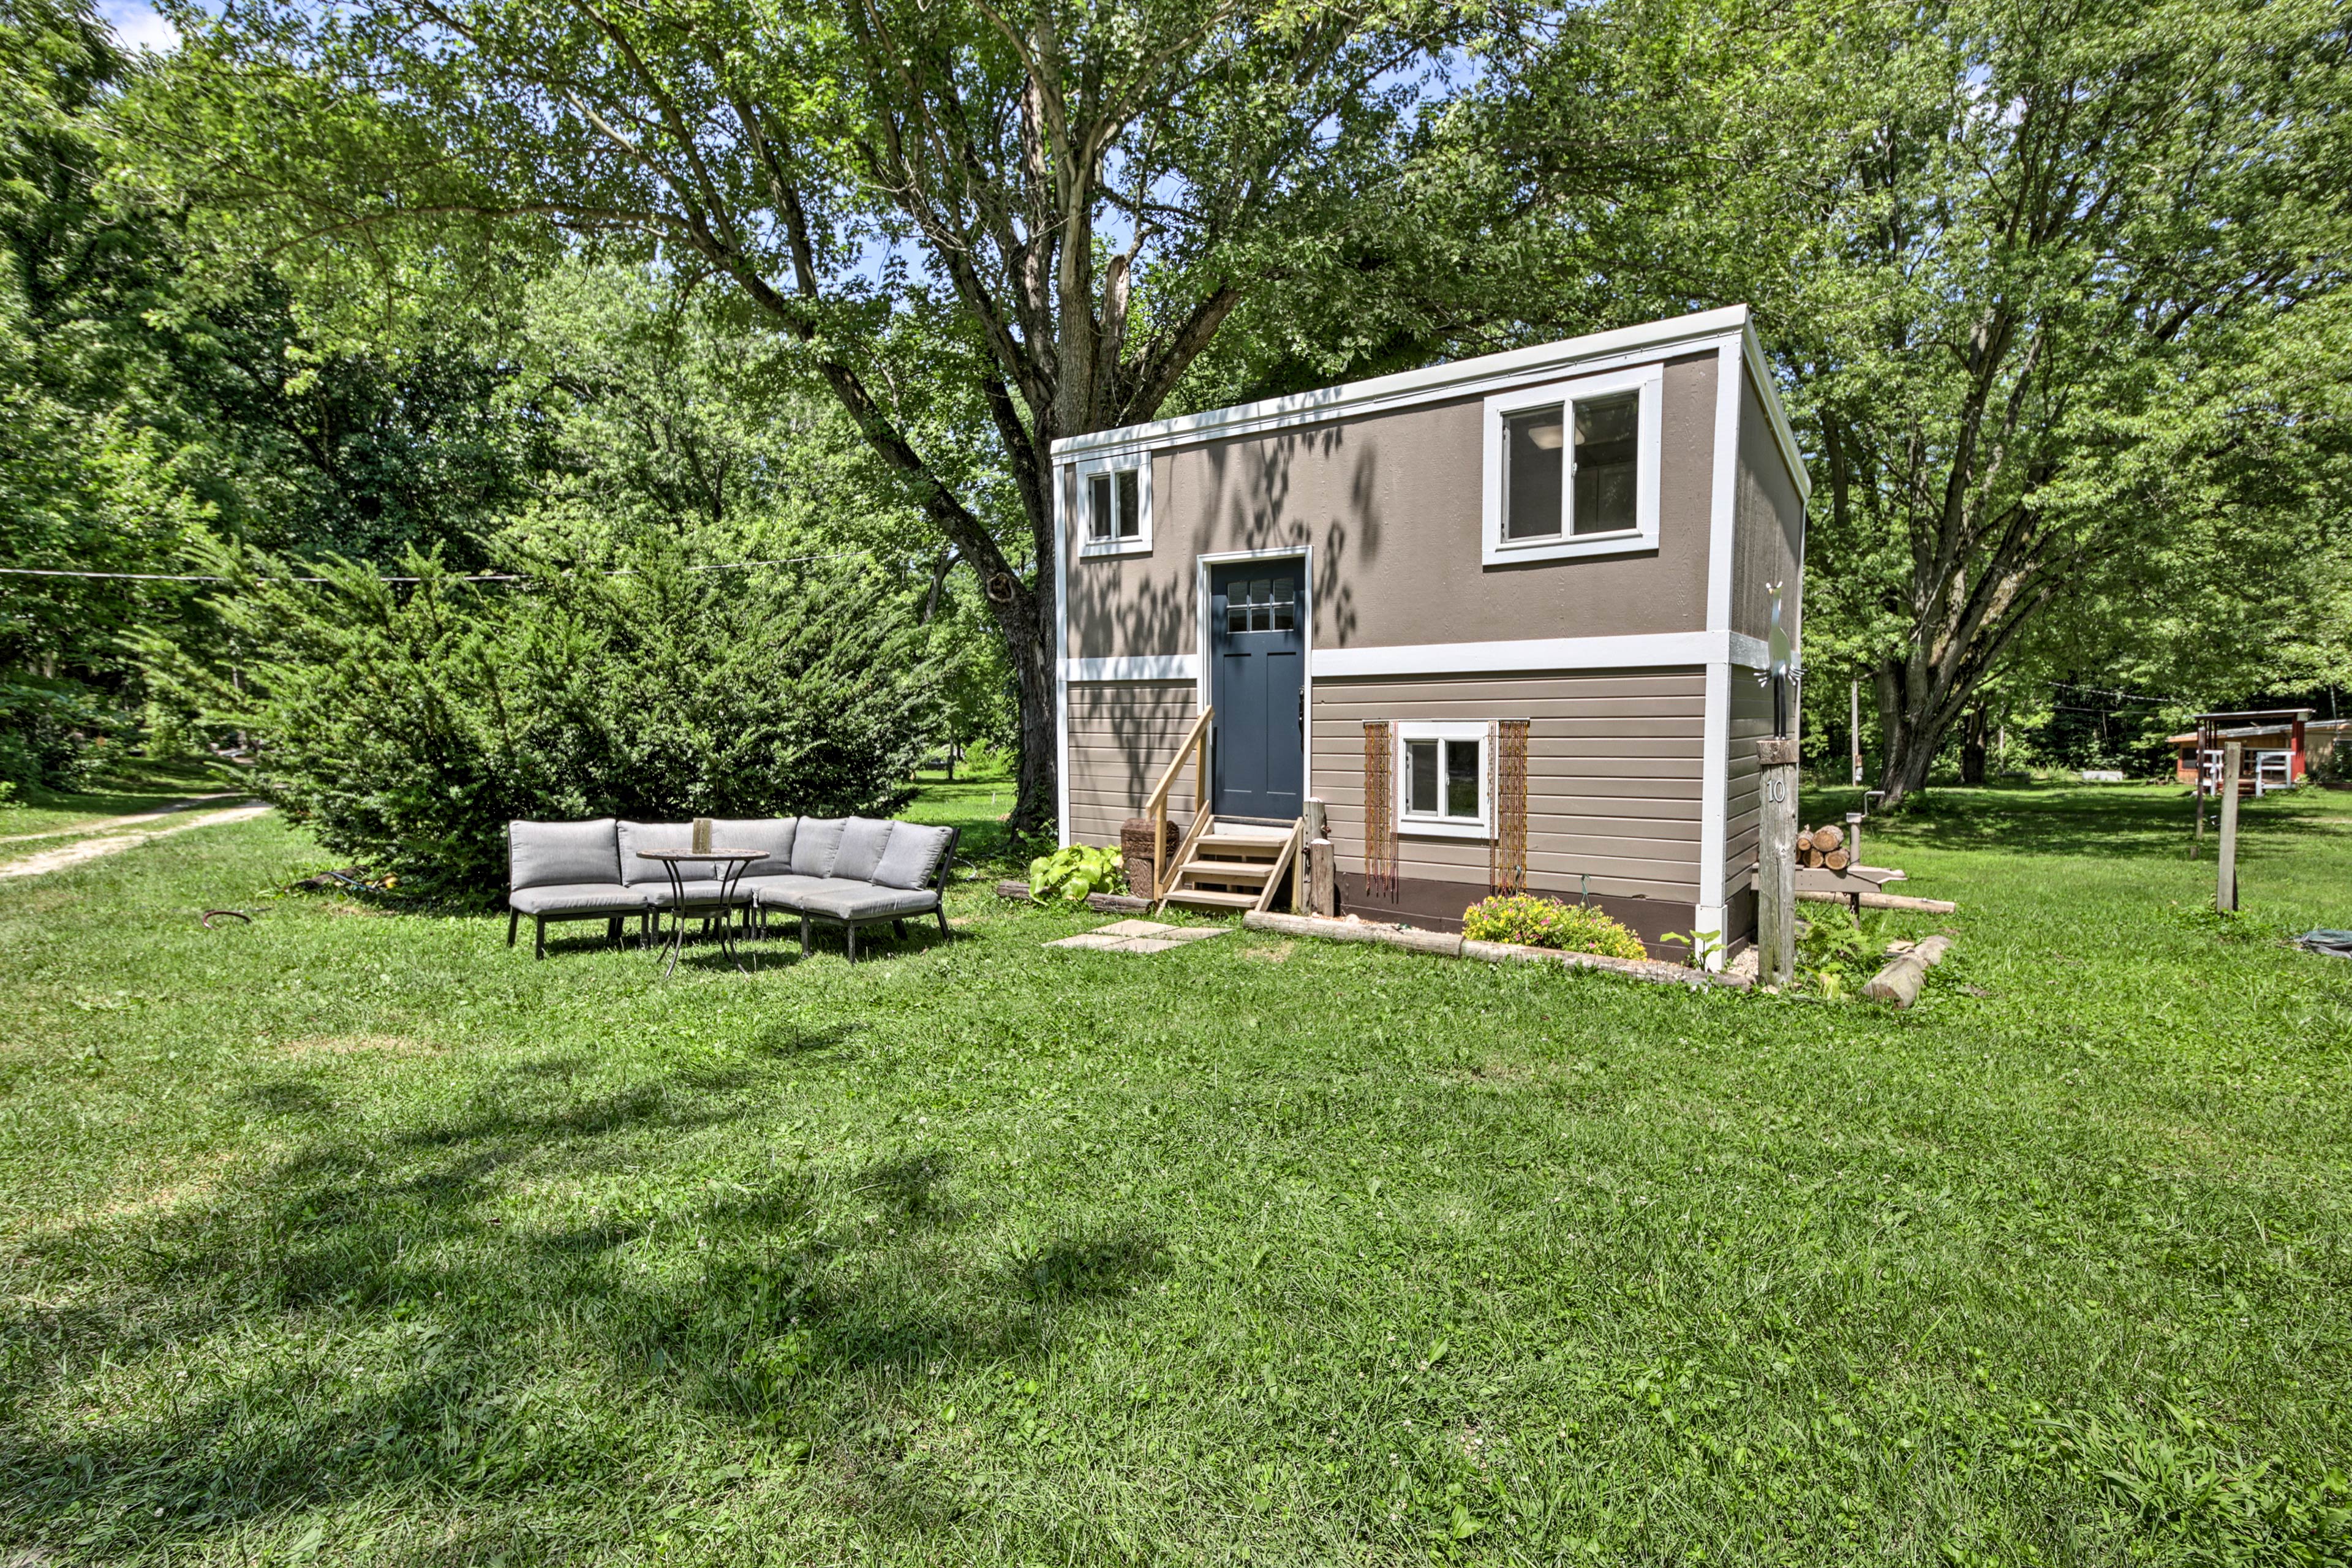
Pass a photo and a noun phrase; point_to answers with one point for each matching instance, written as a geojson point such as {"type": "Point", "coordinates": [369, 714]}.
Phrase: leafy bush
{"type": "Point", "coordinates": [52, 734]}
{"type": "Point", "coordinates": [1835, 955]}
{"type": "Point", "coordinates": [407, 725]}
{"type": "Point", "coordinates": [1069, 875]}
{"type": "Point", "coordinates": [1531, 921]}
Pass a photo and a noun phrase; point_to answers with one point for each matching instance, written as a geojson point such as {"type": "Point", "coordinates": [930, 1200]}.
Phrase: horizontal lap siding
{"type": "Point", "coordinates": [1615, 769]}
{"type": "Point", "coordinates": [1122, 735]}
{"type": "Point", "coordinates": [1751, 720]}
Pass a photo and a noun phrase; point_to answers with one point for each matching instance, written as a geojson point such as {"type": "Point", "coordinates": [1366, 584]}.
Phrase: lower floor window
{"type": "Point", "coordinates": [1445, 766]}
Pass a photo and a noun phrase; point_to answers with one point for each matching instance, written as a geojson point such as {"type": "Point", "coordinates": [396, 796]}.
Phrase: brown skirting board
{"type": "Point", "coordinates": [1437, 905]}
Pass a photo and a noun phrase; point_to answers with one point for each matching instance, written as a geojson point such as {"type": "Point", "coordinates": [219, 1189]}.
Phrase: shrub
{"type": "Point", "coordinates": [407, 725]}
{"type": "Point", "coordinates": [1531, 921]}
{"type": "Point", "coordinates": [1070, 874]}
{"type": "Point", "coordinates": [52, 734]}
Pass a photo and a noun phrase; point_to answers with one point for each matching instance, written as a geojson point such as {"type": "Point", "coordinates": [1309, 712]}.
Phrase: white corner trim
{"type": "Point", "coordinates": [1650, 381]}
{"type": "Point", "coordinates": [1648, 651]}
{"type": "Point", "coordinates": [1723, 487]}
{"type": "Point", "coordinates": [1061, 661]}
{"type": "Point", "coordinates": [1715, 785]}
{"type": "Point", "coordinates": [1486, 373]}
{"type": "Point", "coordinates": [1134, 666]}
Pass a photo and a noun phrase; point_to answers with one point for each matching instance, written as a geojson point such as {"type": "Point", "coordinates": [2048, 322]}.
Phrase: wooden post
{"type": "Point", "coordinates": [2225, 878]}
{"type": "Point", "coordinates": [1307, 883]}
{"type": "Point", "coordinates": [1776, 861]}
{"type": "Point", "coordinates": [1854, 729]}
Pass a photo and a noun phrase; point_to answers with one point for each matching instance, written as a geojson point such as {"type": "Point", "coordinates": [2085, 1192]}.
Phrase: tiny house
{"type": "Point", "coordinates": [1508, 619]}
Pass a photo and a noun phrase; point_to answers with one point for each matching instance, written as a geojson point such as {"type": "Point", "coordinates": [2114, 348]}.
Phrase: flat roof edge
{"type": "Point", "coordinates": [1435, 381]}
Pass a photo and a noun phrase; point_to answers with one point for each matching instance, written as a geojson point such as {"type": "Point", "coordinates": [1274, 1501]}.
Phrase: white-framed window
{"type": "Point", "coordinates": [1571, 467]}
{"type": "Point", "coordinates": [1114, 505]}
{"type": "Point", "coordinates": [1442, 778]}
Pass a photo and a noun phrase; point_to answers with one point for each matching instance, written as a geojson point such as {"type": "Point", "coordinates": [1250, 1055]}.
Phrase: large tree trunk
{"type": "Point", "coordinates": [1972, 746]}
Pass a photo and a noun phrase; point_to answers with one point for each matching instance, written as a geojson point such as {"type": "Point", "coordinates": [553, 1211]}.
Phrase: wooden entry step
{"type": "Point", "coordinates": [1232, 865]}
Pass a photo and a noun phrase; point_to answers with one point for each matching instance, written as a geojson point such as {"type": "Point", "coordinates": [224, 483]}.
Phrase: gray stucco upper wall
{"type": "Point", "coordinates": [1390, 503]}
{"type": "Point", "coordinates": [1768, 524]}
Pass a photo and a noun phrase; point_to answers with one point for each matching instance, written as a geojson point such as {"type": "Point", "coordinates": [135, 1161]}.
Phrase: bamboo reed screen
{"type": "Point", "coordinates": [1507, 852]}
{"type": "Point", "coordinates": [1380, 870]}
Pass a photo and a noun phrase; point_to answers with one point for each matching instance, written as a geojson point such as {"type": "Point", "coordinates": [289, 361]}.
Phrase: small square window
{"type": "Point", "coordinates": [1115, 502]}
{"type": "Point", "coordinates": [1444, 784]}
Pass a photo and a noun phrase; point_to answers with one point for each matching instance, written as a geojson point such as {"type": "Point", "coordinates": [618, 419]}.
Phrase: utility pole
{"type": "Point", "coordinates": [1854, 728]}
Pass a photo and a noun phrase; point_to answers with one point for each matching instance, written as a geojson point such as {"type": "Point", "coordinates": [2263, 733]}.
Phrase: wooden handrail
{"type": "Point", "coordinates": [1195, 744]}
{"type": "Point", "coordinates": [1281, 864]}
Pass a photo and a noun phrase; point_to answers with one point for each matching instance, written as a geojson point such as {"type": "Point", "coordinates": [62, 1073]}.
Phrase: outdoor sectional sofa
{"type": "Point", "coordinates": [850, 871]}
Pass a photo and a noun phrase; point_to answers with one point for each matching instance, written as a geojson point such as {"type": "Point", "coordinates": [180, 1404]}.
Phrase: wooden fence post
{"type": "Point", "coordinates": [1310, 883]}
{"type": "Point", "coordinates": [1776, 861]}
{"type": "Point", "coordinates": [2225, 882]}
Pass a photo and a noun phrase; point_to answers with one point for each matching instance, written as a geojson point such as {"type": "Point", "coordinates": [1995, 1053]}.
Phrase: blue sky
{"type": "Point", "coordinates": [137, 26]}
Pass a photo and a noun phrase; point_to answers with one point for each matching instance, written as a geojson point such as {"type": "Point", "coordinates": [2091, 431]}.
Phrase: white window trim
{"type": "Point", "coordinates": [1089, 547]}
{"type": "Point", "coordinates": [1412, 824]}
{"type": "Point", "coordinates": [1650, 381]}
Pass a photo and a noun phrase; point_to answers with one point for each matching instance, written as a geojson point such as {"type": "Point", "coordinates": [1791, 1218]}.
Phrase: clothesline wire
{"type": "Point", "coordinates": [467, 577]}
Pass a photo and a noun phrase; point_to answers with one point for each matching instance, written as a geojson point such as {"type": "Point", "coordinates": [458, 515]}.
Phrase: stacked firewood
{"type": "Point", "coordinates": [1824, 847]}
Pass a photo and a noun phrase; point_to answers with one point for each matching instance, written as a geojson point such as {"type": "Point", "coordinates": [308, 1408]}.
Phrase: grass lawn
{"type": "Point", "coordinates": [346, 1236]}
{"type": "Point", "coordinates": [137, 785]}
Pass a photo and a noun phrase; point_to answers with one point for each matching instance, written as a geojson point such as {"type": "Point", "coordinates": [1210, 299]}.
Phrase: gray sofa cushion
{"type": "Point", "coordinates": [816, 845]}
{"type": "Point", "coordinates": [699, 890]}
{"type": "Point", "coordinates": [912, 859]}
{"type": "Point", "coordinates": [783, 892]}
{"type": "Point", "coordinates": [558, 854]}
{"type": "Point", "coordinates": [772, 834]}
{"type": "Point", "coordinates": [843, 900]}
{"type": "Point", "coordinates": [579, 898]}
{"type": "Point", "coordinates": [640, 835]}
{"type": "Point", "coordinates": [863, 841]}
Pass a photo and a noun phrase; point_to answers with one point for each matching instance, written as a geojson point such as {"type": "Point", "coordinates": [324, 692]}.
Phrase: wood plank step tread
{"type": "Point", "coordinates": [1206, 897]}
{"type": "Point", "coordinates": [1255, 871]}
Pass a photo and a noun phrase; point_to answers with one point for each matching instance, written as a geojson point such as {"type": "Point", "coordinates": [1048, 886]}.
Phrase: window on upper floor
{"type": "Point", "coordinates": [1114, 503]}
{"type": "Point", "coordinates": [1572, 468]}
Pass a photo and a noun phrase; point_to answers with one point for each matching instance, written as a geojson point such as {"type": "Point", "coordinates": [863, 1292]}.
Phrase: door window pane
{"type": "Point", "coordinates": [1608, 431]}
{"type": "Point", "coordinates": [1099, 521]}
{"type": "Point", "coordinates": [1462, 779]}
{"type": "Point", "coordinates": [1421, 777]}
{"type": "Point", "coordinates": [1533, 467]}
{"type": "Point", "coordinates": [1285, 613]}
{"type": "Point", "coordinates": [1130, 507]}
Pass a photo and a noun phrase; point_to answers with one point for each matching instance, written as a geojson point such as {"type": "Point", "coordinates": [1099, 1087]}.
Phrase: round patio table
{"type": "Point", "coordinates": [735, 862]}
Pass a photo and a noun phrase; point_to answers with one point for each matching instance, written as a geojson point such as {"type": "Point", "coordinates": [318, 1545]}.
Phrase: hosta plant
{"type": "Point", "coordinates": [1069, 875]}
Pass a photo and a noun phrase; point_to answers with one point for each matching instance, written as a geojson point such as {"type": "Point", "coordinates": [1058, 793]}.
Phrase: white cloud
{"type": "Point", "coordinates": [136, 26]}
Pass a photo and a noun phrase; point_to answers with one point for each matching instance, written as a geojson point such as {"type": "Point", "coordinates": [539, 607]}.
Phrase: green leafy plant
{"type": "Point", "coordinates": [1833, 953]}
{"type": "Point", "coordinates": [1703, 944]}
{"type": "Point", "coordinates": [1069, 875]}
{"type": "Point", "coordinates": [1532, 921]}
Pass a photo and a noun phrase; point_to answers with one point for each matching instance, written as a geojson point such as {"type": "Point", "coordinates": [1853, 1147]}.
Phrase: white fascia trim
{"type": "Point", "coordinates": [1752, 351]}
{"type": "Point", "coordinates": [1305, 555]}
{"type": "Point", "coordinates": [1646, 651]}
{"type": "Point", "coordinates": [1487, 372]}
{"type": "Point", "coordinates": [1134, 666]}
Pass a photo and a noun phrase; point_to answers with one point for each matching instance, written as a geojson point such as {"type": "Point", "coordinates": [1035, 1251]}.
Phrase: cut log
{"type": "Point", "coordinates": [1880, 901]}
{"type": "Point", "coordinates": [1828, 836]}
{"type": "Point", "coordinates": [1814, 858]}
{"type": "Point", "coordinates": [1837, 860]}
{"type": "Point", "coordinates": [1804, 840]}
{"type": "Point", "coordinates": [1900, 981]}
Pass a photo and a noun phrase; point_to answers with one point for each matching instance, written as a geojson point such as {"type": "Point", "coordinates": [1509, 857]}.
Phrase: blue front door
{"type": "Point", "coordinates": [1257, 682]}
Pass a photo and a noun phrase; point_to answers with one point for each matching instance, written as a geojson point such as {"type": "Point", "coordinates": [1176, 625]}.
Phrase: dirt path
{"type": "Point", "coordinates": [75, 854]}
{"type": "Point", "coordinates": [108, 824]}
